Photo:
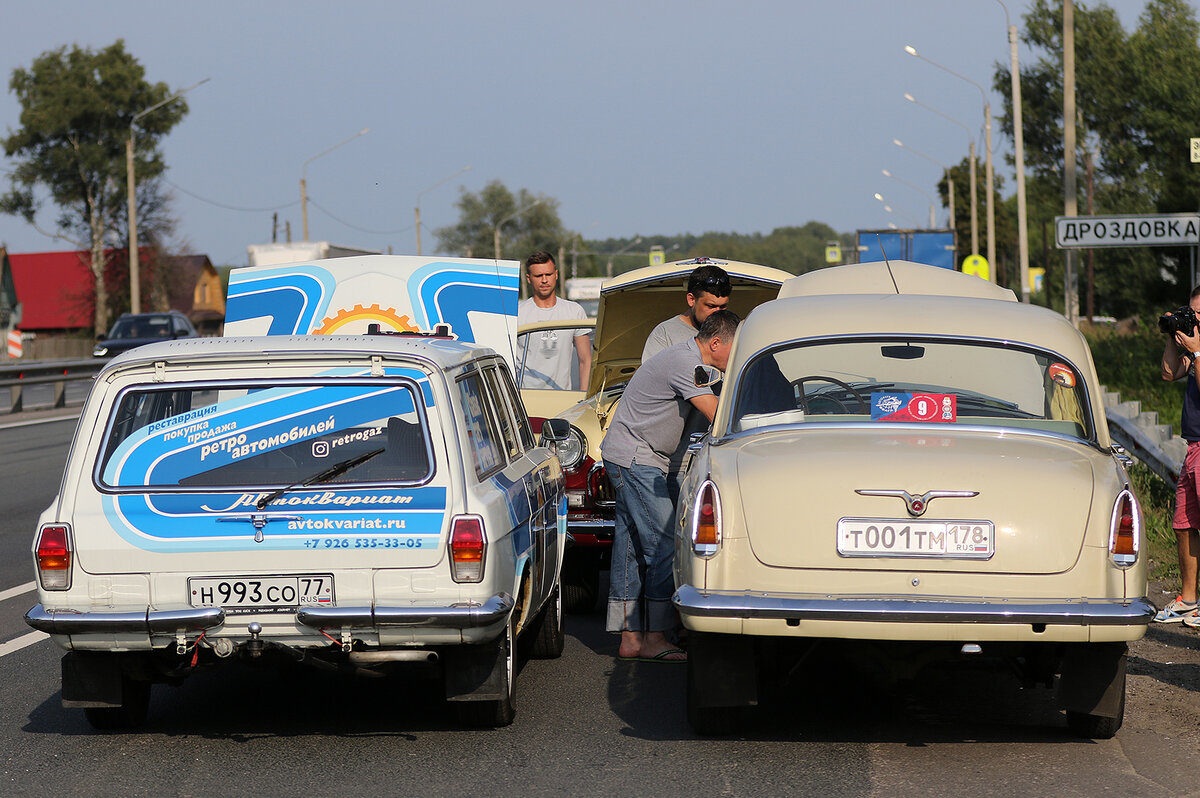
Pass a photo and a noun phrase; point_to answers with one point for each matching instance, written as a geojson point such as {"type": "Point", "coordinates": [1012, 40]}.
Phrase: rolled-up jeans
{"type": "Point", "coordinates": [641, 579]}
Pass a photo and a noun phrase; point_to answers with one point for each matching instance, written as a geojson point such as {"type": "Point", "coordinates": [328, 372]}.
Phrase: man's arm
{"type": "Point", "coordinates": [583, 346]}
{"type": "Point", "coordinates": [706, 403]}
{"type": "Point", "coordinates": [1175, 360]}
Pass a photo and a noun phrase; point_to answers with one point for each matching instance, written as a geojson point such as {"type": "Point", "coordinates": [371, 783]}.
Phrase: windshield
{"type": "Point", "coordinates": [205, 436]}
{"type": "Point", "coordinates": [142, 327]}
{"type": "Point", "coordinates": [548, 360]}
{"type": "Point", "coordinates": [926, 381]}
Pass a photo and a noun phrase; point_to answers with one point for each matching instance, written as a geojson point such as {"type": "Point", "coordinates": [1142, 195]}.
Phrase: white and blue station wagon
{"type": "Point", "coordinates": [370, 500]}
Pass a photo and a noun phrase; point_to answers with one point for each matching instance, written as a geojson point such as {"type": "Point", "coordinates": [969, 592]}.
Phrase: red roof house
{"type": "Point", "coordinates": [54, 289]}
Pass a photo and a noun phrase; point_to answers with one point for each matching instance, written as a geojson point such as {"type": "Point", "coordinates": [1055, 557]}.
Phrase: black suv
{"type": "Point", "coordinates": [136, 329]}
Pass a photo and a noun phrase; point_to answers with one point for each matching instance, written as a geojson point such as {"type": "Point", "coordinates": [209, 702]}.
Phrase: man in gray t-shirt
{"type": "Point", "coordinates": [645, 430]}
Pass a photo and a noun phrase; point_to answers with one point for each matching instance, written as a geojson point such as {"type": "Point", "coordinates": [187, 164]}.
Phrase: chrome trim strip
{"type": "Point", "coordinates": [591, 526]}
{"type": "Point", "coordinates": [893, 609]}
{"type": "Point", "coordinates": [466, 616]}
{"type": "Point", "coordinates": [73, 622]}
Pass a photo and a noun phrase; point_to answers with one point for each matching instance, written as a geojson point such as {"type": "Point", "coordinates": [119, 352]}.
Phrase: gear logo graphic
{"type": "Point", "coordinates": [354, 321]}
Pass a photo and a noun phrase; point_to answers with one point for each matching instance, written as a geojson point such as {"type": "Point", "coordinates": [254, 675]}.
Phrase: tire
{"type": "Point", "coordinates": [135, 704]}
{"type": "Point", "coordinates": [498, 713]}
{"type": "Point", "coordinates": [708, 721]}
{"type": "Point", "coordinates": [547, 637]}
{"type": "Point", "coordinates": [1097, 727]}
{"type": "Point", "coordinates": [580, 583]}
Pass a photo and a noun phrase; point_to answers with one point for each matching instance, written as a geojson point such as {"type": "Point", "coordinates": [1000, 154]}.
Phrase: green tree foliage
{"type": "Point", "coordinates": [524, 226]}
{"type": "Point", "coordinates": [1137, 98]}
{"type": "Point", "coordinates": [76, 109]}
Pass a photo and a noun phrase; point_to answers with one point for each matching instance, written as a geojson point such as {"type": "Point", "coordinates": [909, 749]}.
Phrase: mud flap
{"type": "Point", "coordinates": [1093, 679]}
{"type": "Point", "coordinates": [722, 670]}
{"type": "Point", "coordinates": [475, 673]}
{"type": "Point", "coordinates": [92, 680]}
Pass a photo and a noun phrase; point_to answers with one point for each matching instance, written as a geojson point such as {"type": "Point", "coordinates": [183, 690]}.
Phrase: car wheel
{"type": "Point", "coordinates": [1092, 676]}
{"type": "Point", "coordinates": [547, 637]}
{"type": "Point", "coordinates": [1098, 727]}
{"type": "Point", "coordinates": [135, 704]}
{"type": "Point", "coordinates": [580, 582]}
{"type": "Point", "coordinates": [494, 714]}
{"type": "Point", "coordinates": [709, 721]}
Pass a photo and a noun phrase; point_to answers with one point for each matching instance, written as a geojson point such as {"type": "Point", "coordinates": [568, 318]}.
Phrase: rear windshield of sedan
{"type": "Point", "coordinates": [197, 436]}
{"type": "Point", "coordinates": [915, 381]}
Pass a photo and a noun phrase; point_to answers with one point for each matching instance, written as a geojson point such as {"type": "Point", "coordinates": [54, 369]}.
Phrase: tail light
{"type": "Point", "coordinates": [1125, 533]}
{"type": "Point", "coordinates": [706, 521]}
{"type": "Point", "coordinates": [468, 545]}
{"type": "Point", "coordinates": [53, 555]}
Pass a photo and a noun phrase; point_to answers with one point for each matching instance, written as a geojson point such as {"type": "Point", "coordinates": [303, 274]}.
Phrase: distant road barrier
{"type": "Point", "coordinates": [57, 372]}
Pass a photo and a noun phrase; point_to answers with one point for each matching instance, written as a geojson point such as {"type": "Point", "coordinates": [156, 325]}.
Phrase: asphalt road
{"type": "Point", "coordinates": [586, 724]}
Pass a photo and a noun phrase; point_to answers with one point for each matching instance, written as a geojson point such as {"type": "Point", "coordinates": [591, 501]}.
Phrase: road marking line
{"type": "Point", "coordinates": [21, 642]}
{"type": "Point", "coordinates": [19, 590]}
{"type": "Point", "coordinates": [30, 423]}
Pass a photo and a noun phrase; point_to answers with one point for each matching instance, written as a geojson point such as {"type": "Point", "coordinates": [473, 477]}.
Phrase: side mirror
{"type": "Point", "coordinates": [707, 376]}
{"type": "Point", "coordinates": [556, 429]}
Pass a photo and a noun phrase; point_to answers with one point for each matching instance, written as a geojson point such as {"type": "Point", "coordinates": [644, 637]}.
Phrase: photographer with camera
{"type": "Point", "coordinates": [1179, 360]}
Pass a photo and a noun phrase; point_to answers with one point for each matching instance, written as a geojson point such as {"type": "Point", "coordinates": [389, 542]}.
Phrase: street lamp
{"type": "Point", "coordinates": [932, 206]}
{"type": "Point", "coordinates": [513, 215]}
{"type": "Point", "coordinates": [889, 209]}
{"type": "Point", "coordinates": [1019, 156]}
{"type": "Point", "coordinates": [417, 209]}
{"type": "Point", "coordinates": [946, 169]}
{"type": "Point", "coordinates": [135, 288]}
{"type": "Point", "coordinates": [987, 121]}
{"type": "Point", "coordinates": [304, 175]}
{"type": "Point", "coordinates": [637, 240]}
{"type": "Point", "coordinates": [971, 149]}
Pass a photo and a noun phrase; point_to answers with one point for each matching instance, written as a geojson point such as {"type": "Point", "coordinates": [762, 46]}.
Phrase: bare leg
{"type": "Point", "coordinates": [1188, 541]}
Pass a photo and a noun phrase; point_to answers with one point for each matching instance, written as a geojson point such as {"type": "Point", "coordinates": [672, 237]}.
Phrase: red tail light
{"type": "Point", "coordinates": [468, 545]}
{"type": "Point", "coordinates": [706, 521]}
{"type": "Point", "coordinates": [53, 557]}
{"type": "Point", "coordinates": [1125, 536]}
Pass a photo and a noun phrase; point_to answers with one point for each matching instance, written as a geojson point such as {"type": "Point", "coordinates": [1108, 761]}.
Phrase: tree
{"type": "Point", "coordinates": [1137, 96]}
{"type": "Point", "coordinates": [524, 226]}
{"type": "Point", "coordinates": [77, 106]}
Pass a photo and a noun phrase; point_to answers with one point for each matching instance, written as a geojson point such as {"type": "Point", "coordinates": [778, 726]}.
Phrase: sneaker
{"type": "Point", "coordinates": [1192, 621]}
{"type": "Point", "coordinates": [1176, 611]}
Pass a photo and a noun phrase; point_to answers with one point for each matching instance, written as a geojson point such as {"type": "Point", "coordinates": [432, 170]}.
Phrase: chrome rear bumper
{"type": "Point", "coordinates": [466, 616]}
{"type": "Point", "coordinates": [890, 609]}
{"type": "Point", "coordinates": [147, 621]}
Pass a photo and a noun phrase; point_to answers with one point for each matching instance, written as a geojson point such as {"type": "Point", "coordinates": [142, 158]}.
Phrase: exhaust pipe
{"type": "Point", "coordinates": [405, 655]}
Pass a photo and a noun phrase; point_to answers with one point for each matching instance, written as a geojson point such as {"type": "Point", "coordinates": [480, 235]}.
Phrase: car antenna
{"type": "Point", "coordinates": [887, 263]}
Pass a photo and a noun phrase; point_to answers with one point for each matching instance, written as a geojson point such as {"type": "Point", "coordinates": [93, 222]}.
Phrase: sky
{"type": "Point", "coordinates": [645, 117]}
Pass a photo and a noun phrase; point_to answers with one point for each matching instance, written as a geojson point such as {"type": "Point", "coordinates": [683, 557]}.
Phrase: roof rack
{"type": "Point", "coordinates": [438, 331]}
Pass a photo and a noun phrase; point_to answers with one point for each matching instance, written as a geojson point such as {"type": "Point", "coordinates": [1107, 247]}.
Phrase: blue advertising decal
{"type": "Point", "coordinates": [294, 298]}
{"type": "Point", "coordinates": [310, 518]}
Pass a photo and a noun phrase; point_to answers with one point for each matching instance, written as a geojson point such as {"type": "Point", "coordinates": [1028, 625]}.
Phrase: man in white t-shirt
{"type": "Point", "coordinates": [547, 364]}
{"type": "Point", "coordinates": [708, 291]}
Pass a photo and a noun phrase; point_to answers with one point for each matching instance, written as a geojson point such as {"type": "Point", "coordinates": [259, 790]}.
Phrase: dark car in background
{"type": "Point", "coordinates": [137, 329]}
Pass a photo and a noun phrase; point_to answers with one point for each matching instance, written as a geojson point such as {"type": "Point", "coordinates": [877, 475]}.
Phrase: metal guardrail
{"type": "Point", "coordinates": [19, 375]}
{"type": "Point", "coordinates": [1144, 438]}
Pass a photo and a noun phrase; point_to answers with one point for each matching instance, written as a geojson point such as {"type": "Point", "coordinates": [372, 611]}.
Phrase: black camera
{"type": "Point", "coordinates": [1182, 320]}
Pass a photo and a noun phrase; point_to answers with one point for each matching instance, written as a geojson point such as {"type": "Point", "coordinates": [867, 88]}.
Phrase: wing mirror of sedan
{"type": "Point", "coordinates": [556, 429]}
{"type": "Point", "coordinates": [707, 376]}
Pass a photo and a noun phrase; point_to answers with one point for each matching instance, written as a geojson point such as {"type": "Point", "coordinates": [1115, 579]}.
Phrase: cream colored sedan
{"type": "Point", "coordinates": [907, 455]}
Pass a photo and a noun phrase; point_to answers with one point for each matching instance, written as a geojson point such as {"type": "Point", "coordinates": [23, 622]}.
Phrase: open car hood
{"type": "Point", "coordinates": [634, 303]}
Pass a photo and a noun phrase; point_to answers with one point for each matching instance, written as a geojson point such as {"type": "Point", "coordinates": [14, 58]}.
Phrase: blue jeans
{"type": "Point", "coordinates": [641, 580]}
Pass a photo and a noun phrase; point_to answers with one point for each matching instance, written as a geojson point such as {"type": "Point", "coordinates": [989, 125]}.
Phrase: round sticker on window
{"type": "Point", "coordinates": [1062, 374]}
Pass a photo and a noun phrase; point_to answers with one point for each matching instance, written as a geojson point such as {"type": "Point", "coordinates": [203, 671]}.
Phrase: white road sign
{"type": "Point", "coordinates": [1130, 230]}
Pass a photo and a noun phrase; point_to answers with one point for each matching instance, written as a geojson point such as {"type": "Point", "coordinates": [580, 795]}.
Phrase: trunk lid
{"type": "Point", "coordinates": [796, 484]}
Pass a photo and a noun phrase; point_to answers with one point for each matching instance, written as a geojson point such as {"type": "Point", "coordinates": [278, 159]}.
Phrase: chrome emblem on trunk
{"type": "Point", "coordinates": [916, 505]}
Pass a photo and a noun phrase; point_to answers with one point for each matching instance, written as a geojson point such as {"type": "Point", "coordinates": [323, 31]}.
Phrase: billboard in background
{"type": "Point", "coordinates": [932, 247]}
